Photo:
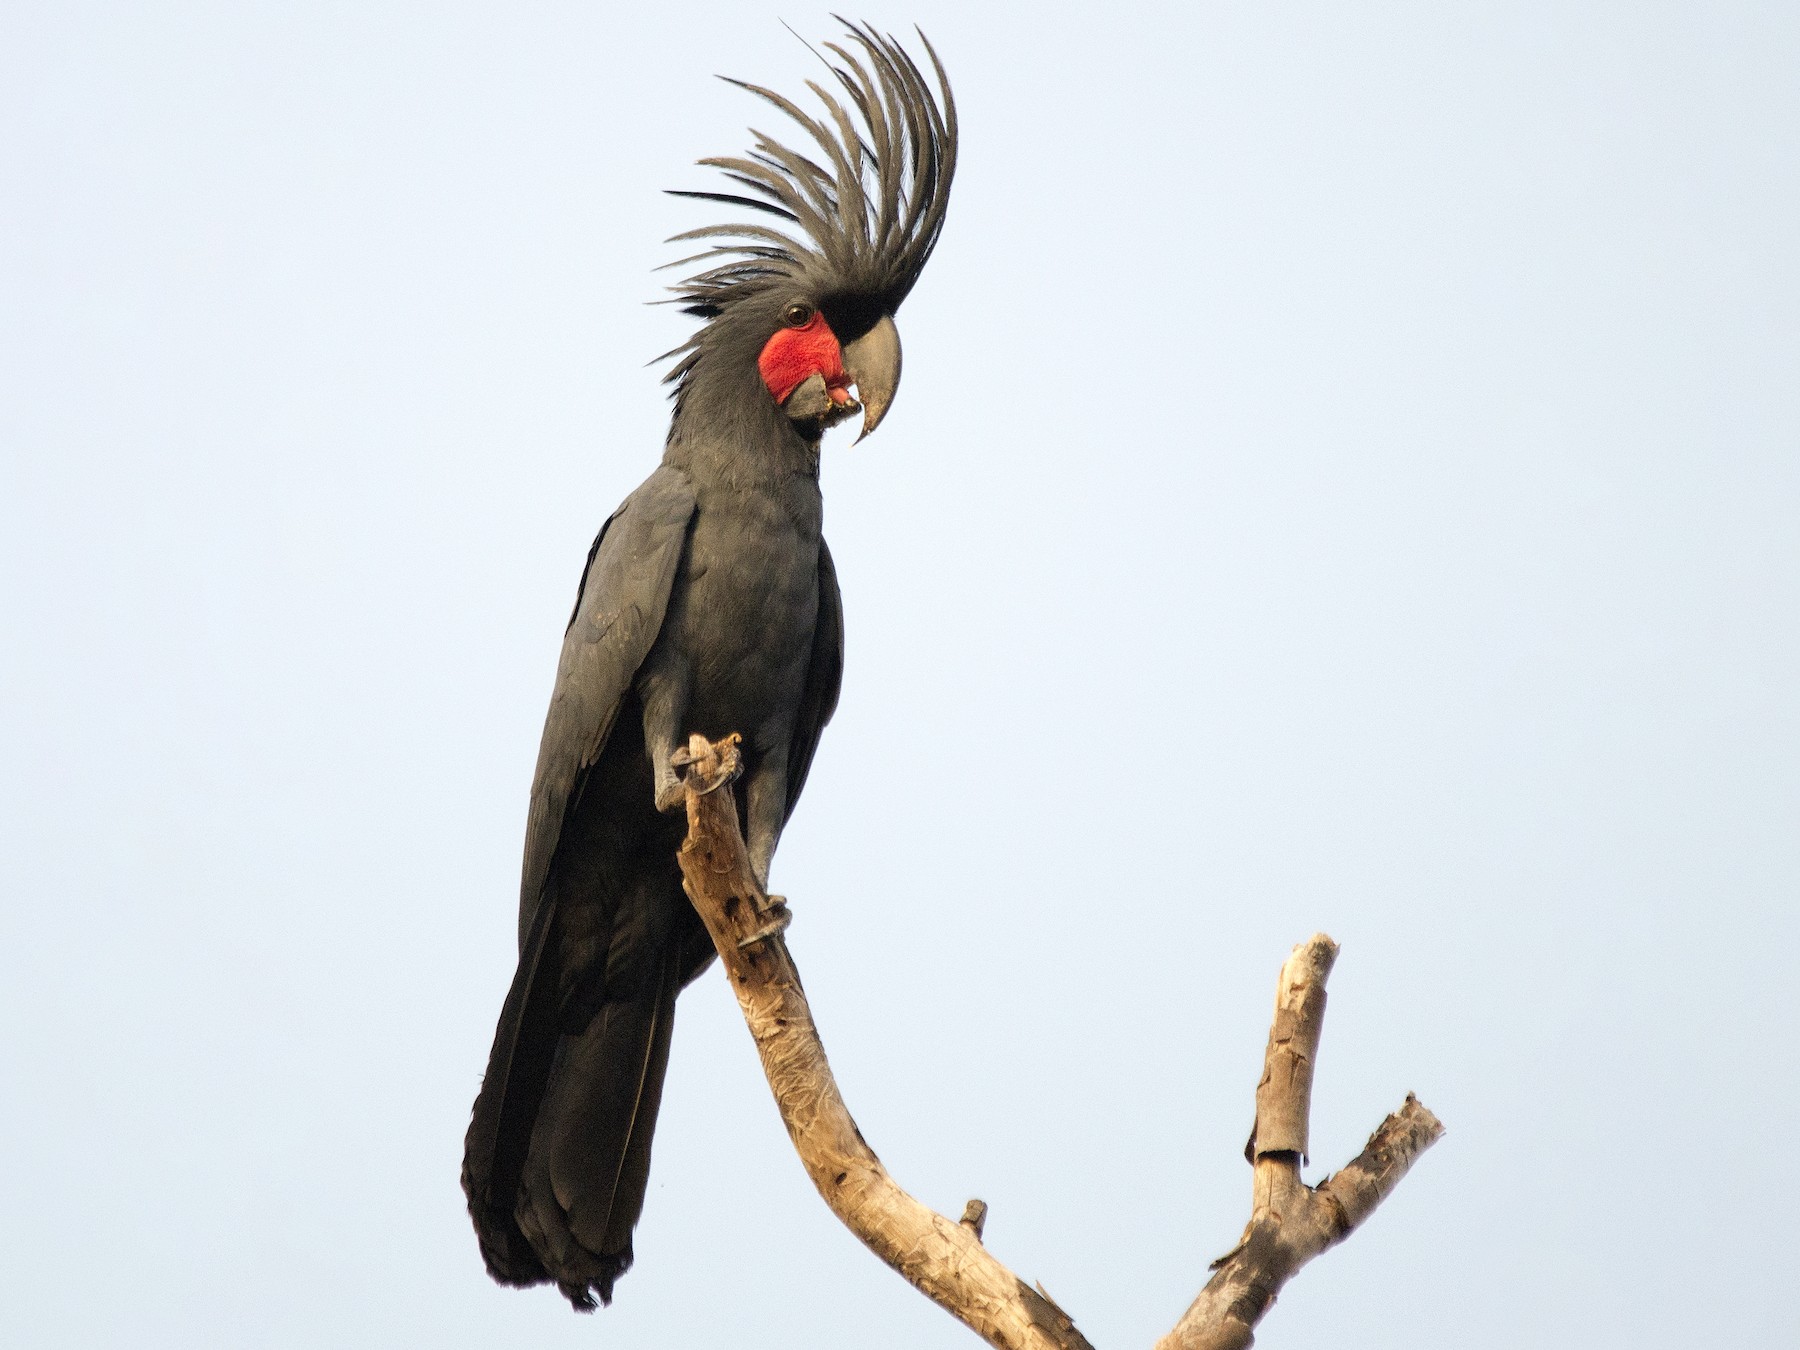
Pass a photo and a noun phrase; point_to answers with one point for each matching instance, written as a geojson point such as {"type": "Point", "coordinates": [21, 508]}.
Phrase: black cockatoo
{"type": "Point", "coordinates": [708, 604]}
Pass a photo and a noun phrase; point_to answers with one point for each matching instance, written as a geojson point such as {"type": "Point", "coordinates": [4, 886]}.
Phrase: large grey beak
{"type": "Point", "coordinates": [873, 364]}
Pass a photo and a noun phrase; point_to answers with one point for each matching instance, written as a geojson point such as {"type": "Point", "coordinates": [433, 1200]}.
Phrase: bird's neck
{"type": "Point", "coordinates": [726, 429]}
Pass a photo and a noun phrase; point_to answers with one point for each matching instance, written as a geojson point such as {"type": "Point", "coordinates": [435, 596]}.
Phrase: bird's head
{"type": "Point", "coordinates": [803, 315]}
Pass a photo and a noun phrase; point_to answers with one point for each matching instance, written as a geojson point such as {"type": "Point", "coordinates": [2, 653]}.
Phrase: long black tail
{"type": "Point", "coordinates": [558, 1151]}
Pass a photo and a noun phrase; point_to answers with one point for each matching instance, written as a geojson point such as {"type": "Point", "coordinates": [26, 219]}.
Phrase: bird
{"type": "Point", "coordinates": [708, 604]}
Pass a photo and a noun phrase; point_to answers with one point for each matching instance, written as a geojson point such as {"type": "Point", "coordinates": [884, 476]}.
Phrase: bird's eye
{"type": "Point", "coordinates": [797, 315]}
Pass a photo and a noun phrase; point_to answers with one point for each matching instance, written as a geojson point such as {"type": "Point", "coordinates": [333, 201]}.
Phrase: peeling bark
{"type": "Point", "coordinates": [945, 1259]}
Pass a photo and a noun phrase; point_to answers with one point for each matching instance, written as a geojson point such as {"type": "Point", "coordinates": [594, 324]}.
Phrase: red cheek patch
{"type": "Point", "coordinates": [794, 354]}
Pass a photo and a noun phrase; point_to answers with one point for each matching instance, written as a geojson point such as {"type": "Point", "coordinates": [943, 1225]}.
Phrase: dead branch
{"type": "Point", "coordinates": [1290, 1222]}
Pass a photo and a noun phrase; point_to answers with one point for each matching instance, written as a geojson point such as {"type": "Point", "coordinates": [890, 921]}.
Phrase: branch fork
{"type": "Point", "coordinates": [1290, 1222]}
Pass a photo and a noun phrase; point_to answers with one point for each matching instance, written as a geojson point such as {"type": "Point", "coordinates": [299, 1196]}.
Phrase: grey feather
{"type": "Point", "coordinates": [869, 220]}
{"type": "Point", "coordinates": [618, 614]}
{"type": "Point", "coordinates": [824, 678]}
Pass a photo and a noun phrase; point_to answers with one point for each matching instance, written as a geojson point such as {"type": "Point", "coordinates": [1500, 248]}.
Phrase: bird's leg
{"type": "Point", "coordinates": [668, 786]}
{"type": "Point", "coordinates": [664, 694]}
{"type": "Point", "coordinates": [765, 806]}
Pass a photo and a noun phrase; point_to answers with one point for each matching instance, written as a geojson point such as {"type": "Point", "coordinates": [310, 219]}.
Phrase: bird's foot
{"type": "Point", "coordinates": [705, 765]}
{"type": "Point", "coordinates": [775, 919]}
{"type": "Point", "coordinates": [670, 796]}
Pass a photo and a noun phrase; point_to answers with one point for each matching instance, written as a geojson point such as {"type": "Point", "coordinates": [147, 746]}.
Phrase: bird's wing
{"type": "Point", "coordinates": [619, 610]}
{"type": "Point", "coordinates": [824, 675]}
{"type": "Point", "coordinates": [618, 613]}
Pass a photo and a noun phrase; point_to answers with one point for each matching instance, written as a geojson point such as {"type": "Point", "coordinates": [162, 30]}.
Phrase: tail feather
{"type": "Point", "coordinates": [581, 1140]}
{"type": "Point", "coordinates": [633, 1177]}
{"type": "Point", "coordinates": [519, 1067]}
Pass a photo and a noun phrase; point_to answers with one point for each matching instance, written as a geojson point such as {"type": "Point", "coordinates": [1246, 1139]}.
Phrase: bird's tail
{"type": "Point", "coordinates": [558, 1153]}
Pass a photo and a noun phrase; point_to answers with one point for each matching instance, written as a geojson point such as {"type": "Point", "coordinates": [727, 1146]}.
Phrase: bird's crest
{"type": "Point", "coordinates": [861, 224]}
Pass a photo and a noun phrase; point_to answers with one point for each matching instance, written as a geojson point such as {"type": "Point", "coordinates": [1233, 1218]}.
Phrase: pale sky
{"type": "Point", "coordinates": [1346, 478]}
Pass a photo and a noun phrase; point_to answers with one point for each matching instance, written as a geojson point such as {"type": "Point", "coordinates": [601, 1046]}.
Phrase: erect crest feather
{"type": "Point", "coordinates": [858, 215]}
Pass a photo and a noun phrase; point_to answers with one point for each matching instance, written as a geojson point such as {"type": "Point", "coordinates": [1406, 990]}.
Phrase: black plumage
{"type": "Point", "coordinates": [708, 604]}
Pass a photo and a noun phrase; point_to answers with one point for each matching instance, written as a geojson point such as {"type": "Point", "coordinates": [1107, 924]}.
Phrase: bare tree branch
{"type": "Point", "coordinates": [943, 1259]}
{"type": "Point", "coordinates": [1290, 1222]}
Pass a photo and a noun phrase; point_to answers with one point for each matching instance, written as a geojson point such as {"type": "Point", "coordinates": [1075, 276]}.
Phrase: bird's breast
{"type": "Point", "coordinates": [745, 607]}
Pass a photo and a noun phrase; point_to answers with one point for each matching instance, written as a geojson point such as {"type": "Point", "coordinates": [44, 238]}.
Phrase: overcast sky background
{"type": "Point", "coordinates": [1346, 478]}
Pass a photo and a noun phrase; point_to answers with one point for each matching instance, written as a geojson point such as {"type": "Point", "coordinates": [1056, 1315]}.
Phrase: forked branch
{"type": "Point", "coordinates": [944, 1259]}
{"type": "Point", "coordinates": [1291, 1222]}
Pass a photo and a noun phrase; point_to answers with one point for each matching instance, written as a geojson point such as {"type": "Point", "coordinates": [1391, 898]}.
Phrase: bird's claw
{"type": "Point", "coordinates": [775, 919]}
{"type": "Point", "coordinates": [705, 765]}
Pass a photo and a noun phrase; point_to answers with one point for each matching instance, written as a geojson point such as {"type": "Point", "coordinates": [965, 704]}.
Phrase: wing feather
{"type": "Point", "coordinates": [619, 612]}
{"type": "Point", "coordinates": [824, 677]}
{"type": "Point", "coordinates": [619, 609]}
